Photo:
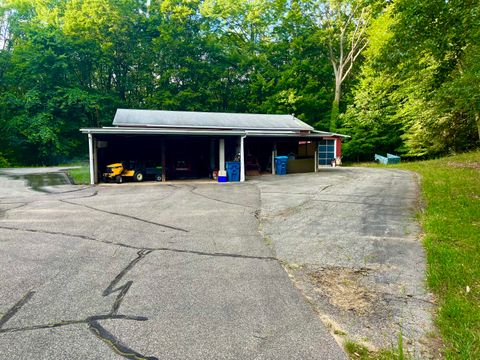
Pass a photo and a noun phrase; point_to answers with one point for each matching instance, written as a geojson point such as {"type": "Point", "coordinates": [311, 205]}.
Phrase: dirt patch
{"type": "Point", "coordinates": [434, 346]}
{"type": "Point", "coordinates": [344, 289]}
{"type": "Point", "coordinates": [469, 165]}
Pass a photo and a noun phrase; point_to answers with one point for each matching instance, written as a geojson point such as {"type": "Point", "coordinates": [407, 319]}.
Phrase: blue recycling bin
{"type": "Point", "coordinates": [233, 170]}
{"type": "Point", "coordinates": [281, 165]}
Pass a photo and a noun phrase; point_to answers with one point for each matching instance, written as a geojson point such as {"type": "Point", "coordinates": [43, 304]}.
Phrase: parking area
{"type": "Point", "coordinates": [197, 270]}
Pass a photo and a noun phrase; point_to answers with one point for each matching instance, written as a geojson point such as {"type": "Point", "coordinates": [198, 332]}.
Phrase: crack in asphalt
{"type": "Point", "coordinates": [192, 191]}
{"type": "Point", "coordinates": [326, 187]}
{"type": "Point", "coordinates": [14, 309]}
{"type": "Point", "coordinates": [115, 344]}
{"type": "Point", "coordinates": [404, 298]}
{"type": "Point", "coordinates": [123, 289]}
{"type": "Point", "coordinates": [125, 216]}
{"type": "Point", "coordinates": [3, 212]}
{"type": "Point", "coordinates": [95, 193]}
{"type": "Point", "coordinates": [84, 237]}
{"type": "Point", "coordinates": [167, 249]}
{"type": "Point", "coordinates": [219, 254]}
{"type": "Point", "coordinates": [353, 202]}
{"type": "Point", "coordinates": [24, 203]}
{"type": "Point", "coordinates": [69, 191]}
{"type": "Point", "coordinates": [92, 321]}
{"type": "Point", "coordinates": [316, 194]}
{"type": "Point", "coordinates": [72, 322]}
{"type": "Point", "coordinates": [317, 199]}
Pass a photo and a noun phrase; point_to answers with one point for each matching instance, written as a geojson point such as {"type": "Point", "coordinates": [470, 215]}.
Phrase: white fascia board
{"type": "Point", "coordinates": [326, 133]}
{"type": "Point", "coordinates": [283, 134]}
{"type": "Point", "coordinates": [143, 131]}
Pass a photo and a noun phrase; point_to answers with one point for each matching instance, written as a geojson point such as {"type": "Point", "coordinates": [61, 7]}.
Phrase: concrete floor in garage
{"type": "Point", "coordinates": [191, 270]}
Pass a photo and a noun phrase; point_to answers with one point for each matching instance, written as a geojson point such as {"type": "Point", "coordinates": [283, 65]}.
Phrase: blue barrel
{"type": "Point", "coordinates": [233, 170]}
{"type": "Point", "coordinates": [281, 165]}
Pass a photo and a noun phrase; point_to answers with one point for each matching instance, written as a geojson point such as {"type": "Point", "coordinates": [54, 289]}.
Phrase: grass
{"type": "Point", "coordinates": [80, 175]}
{"type": "Point", "coordinates": [451, 224]}
{"type": "Point", "coordinates": [360, 352]}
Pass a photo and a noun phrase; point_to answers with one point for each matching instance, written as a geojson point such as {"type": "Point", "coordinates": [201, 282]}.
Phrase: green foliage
{"type": "Point", "coordinates": [360, 352]}
{"type": "Point", "coordinates": [81, 175]}
{"type": "Point", "coordinates": [419, 83]}
{"type": "Point", "coordinates": [69, 64]}
{"type": "Point", "coordinates": [3, 162]}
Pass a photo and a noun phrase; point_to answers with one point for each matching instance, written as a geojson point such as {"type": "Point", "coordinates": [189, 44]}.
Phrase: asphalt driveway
{"type": "Point", "coordinates": [175, 271]}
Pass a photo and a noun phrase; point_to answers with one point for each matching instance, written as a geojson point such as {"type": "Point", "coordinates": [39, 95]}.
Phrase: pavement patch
{"type": "Point", "coordinates": [349, 240]}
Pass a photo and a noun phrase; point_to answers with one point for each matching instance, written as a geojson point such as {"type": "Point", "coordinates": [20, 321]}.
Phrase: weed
{"type": "Point", "coordinates": [80, 175]}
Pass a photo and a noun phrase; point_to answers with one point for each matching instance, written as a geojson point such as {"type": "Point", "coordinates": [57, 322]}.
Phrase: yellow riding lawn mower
{"type": "Point", "coordinates": [131, 170]}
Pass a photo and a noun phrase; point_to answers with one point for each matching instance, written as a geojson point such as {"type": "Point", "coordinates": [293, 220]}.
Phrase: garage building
{"type": "Point", "coordinates": [197, 144]}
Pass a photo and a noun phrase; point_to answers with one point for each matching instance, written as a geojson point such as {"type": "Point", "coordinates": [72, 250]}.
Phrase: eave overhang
{"type": "Point", "coordinates": [122, 130]}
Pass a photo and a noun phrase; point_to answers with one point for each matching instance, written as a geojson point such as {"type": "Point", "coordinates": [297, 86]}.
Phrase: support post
{"type": "Point", "coordinates": [164, 169]}
{"type": "Point", "coordinates": [274, 154]}
{"type": "Point", "coordinates": [242, 158]}
{"type": "Point", "coordinates": [316, 156]}
{"type": "Point", "coordinates": [90, 156]}
{"type": "Point", "coordinates": [221, 155]}
{"type": "Point", "coordinates": [95, 161]}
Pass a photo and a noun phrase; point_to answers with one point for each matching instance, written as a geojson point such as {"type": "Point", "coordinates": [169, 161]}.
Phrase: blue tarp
{"type": "Point", "coordinates": [389, 159]}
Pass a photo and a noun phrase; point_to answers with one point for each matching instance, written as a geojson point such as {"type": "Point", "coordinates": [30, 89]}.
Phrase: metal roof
{"type": "Point", "coordinates": [207, 120]}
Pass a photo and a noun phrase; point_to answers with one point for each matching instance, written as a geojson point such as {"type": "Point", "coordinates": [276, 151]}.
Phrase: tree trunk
{"type": "Point", "coordinates": [334, 116]}
{"type": "Point", "coordinates": [338, 86]}
{"type": "Point", "coordinates": [477, 119]}
{"type": "Point", "coordinates": [336, 103]}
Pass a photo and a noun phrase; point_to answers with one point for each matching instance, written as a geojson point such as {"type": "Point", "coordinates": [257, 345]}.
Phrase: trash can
{"type": "Point", "coordinates": [281, 165]}
{"type": "Point", "coordinates": [233, 170]}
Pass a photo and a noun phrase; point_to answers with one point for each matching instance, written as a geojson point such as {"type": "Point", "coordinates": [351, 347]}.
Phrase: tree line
{"type": "Point", "coordinates": [399, 76]}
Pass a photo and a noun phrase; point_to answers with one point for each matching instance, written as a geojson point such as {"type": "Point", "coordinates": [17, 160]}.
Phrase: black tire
{"type": "Point", "coordinates": [118, 179]}
{"type": "Point", "coordinates": [158, 177]}
{"type": "Point", "coordinates": [138, 176]}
